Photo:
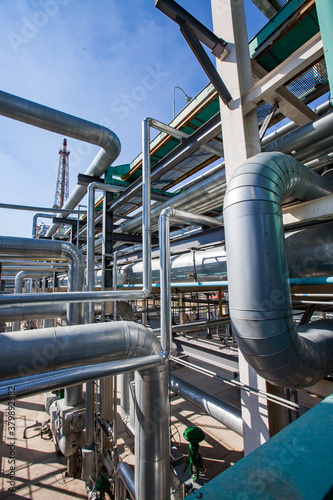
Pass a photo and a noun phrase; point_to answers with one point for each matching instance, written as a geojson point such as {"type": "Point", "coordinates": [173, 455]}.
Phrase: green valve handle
{"type": "Point", "coordinates": [102, 484]}
{"type": "Point", "coordinates": [194, 435]}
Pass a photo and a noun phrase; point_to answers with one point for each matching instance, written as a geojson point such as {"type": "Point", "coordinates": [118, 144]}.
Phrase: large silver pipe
{"type": "Point", "coordinates": [67, 125]}
{"type": "Point", "coordinates": [59, 348]}
{"type": "Point", "coordinates": [210, 264]}
{"type": "Point", "coordinates": [309, 254]}
{"type": "Point", "coordinates": [260, 303]}
{"type": "Point", "coordinates": [303, 136]}
{"type": "Point", "coordinates": [27, 313]}
{"type": "Point", "coordinates": [222, 412]}
{"type": "Point", "coordinates": [40, 249]}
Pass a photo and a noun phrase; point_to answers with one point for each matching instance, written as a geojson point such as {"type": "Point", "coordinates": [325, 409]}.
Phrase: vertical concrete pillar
{"type": "Point", "coordinates": [325, 17]}
{"type": "Point", "coordinates": [240, 141]}
{"type": "Point", "coordinates": [240, 134]}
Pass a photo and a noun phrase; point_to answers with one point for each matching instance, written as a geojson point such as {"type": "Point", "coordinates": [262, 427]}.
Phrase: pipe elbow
{"type": "Point", "coordinates": [260, 303]}
{"type": "Point", "coordinates": [167, 212]}
{"type": "Point", "coordinates": [110, 142]}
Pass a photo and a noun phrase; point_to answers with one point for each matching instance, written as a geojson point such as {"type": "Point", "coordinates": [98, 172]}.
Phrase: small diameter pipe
{"type": "Point", "coordinates": [165, 272]}
{"type": "Point", "coordinates": [34, 222]}
{"type": "Point", "coordinates": [54, 380]}
{"type": "Point", "coordinates": [28, 208]}
{"type": "Point", "coordinates": [217, 409]}
{"type": "Point", "coordinates": [115, 284]}
{"type": "Point", "coordinates": [253, 390]}
{"type": "Point", "coordinates": [91, 239]}
{"type": "Point", "coordinates": [126, 473]}
{"type": "Point", "coordinates": [90, 386]}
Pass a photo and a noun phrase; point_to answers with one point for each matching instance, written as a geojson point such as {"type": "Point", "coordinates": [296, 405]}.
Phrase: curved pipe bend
{"type": "Point", "coordinates": [260, 303]}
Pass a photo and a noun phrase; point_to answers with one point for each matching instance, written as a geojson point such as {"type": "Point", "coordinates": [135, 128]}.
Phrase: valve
{"type": "Point", "coordinates": [194, 435]}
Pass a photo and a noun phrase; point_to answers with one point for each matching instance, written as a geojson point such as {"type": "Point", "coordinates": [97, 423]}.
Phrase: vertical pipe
{"type": "Point", "coordinates": [152, 459]}
{"type": "Point", "coordinates": [165, 277]}
{"type": "Point", "coordinates": [146, 204]}
{"type": "Point", "coordinates": [91, 250]}
{"type": "Point", "coordinates": [115, 284]}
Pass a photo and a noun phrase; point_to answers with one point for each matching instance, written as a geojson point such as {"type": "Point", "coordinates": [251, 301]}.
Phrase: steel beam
{"type": "Point", "coordinates": [301, 59]}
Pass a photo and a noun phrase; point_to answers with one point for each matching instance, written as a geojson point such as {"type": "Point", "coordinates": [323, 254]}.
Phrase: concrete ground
{"type": "Point", "coordinates": [39, 472]}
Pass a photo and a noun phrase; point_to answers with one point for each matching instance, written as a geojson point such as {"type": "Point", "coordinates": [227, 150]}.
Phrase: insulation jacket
{"type": "Point", "coordinates": [260, 303]}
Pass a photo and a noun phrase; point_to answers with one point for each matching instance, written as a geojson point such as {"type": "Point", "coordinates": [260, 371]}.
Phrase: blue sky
{"type": "Point", "coordinates": [111, 62]}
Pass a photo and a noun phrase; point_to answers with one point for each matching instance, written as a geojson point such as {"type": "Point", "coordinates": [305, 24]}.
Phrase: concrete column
{"type": "Point", "coordinates": [325, 17]}
{"type": "Point", "coordinates": [240, 141]}
{"type": "Point", "coordinates": [240, 134]}
{"type": "Point", "coordinates": [254, 408]}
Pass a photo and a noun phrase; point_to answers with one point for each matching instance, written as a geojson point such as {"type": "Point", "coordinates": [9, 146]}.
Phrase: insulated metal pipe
{"type": "Point", "coordinates": [52, 381]}
{"type": "Point", "coordinates": [309, 254]}
{"type": "Point", "coordinates": [27, 313]}
{"type": "Point", "coordinates": [59, 348]}
{"type": "Point", "coordinates": [222, 412]}
{"type": "Point", "coordinates": [40, 249]}
{"type": "Point", "coordinates": [259, 300]}
{"type": "Point", "coordinates": [126, 473]}
{"type": "Point", "coordinates": [67, 125]}
{"type": "Point", "coordinates": [90, 386]}
{"type": "Point", "coordinates": [146, 242]}
{"type": "Point", "coordinates": [196, 194]}
{"type": "Point", "coordinates": [20, 277]}
{"type": "Point", "coordinates": [34, 222]}
{"type": "Point", "coordinates": [303, 136]}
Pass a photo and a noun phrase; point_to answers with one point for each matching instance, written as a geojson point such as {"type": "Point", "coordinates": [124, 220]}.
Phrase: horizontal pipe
{"type": "Point", "coordinates": [63, 347]}
{"type": "Point", "coordinates": [303, 136]}
{"type": "Point", "coordinates": [54, 380]}
{"type": "Point", "coordinates": [222, 412]}
{"type": "Point", "coordinates": [69, 297]}
{"type": "Point", "coordinates": [270, 397]}
{"type": "Point", "coordinates": [80, 297]}
{"type": "Point", "coordinates": [29, 208]}
{"type": "Point", "coordinates": [28, 313]}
